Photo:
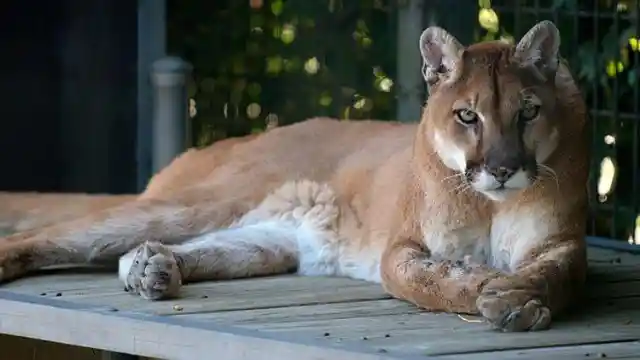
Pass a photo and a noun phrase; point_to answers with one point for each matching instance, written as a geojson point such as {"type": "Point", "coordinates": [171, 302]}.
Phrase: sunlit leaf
{"type": "Point", "coordinates": [253, 110]}
{"type": "Point", "coordinates": [312, 66]}
{"type": "Point", "coordinates": [488, 19]}
{"type": "Point", "coordinates": [277, 6]}
{"type": "Point", "coordinates": [274, 65]}
{"type": "Point", "coordinates": [386, 84]}
{"type": "Point", "coordinates": [634, 43]}
{"type": "Point", "coordinates": [607, 177]}
{"type": "Point", "coordinates": [288, 34]}
{"type": "Point", "coordinates": [484, 4]}
{"type": "Point", "coordinates": [614, 67]}
{"type": "Point", "coordinates": [325, 100]}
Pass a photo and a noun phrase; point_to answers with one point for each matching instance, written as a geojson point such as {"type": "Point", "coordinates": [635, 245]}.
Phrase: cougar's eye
{"type": "Point", "coordinates": [466, 116]}
{"type": "Point", "coordinates": [529, 112]}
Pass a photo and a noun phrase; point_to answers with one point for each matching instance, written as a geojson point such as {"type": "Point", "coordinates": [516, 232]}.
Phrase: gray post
{"type": "Point", "coordinates": [170, 110]}
{"type": "Point", "coordinates": [409, 61]}
{"type": "Point", "coordinates": [151, 46]}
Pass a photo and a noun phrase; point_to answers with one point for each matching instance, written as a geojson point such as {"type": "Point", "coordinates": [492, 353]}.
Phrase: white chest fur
{"type": "Point", "coordinates": [456, 244]}
{"type": "Point", "coordinates": [501, 244]}
{"type": "Point", "coordinates": [515, 233]}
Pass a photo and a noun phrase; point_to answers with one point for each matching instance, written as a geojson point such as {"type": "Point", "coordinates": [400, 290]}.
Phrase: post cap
{"type": "Point", "coordinates": [171, 65]}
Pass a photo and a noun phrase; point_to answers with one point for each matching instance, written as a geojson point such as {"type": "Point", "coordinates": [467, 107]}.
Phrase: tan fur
{"type": "Point", "coordinates": [414, 207]}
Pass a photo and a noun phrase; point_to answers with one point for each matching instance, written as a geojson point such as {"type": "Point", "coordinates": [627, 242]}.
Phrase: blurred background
{"type": "Point", "coordinates": [78, 101]}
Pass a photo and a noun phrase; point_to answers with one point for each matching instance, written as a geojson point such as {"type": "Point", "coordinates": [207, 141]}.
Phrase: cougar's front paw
{"type": "Point", "coordinates": [511, 306]}
{"type": "Point", "coordinates": [153, 274]}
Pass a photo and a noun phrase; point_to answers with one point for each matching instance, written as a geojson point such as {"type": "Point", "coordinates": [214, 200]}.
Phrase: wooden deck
{"type": "Point", "coordinates": [311, 318]}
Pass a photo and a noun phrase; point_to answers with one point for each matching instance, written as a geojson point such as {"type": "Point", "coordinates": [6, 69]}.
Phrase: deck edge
{"type": "Point", "coordinates": [100, 327]}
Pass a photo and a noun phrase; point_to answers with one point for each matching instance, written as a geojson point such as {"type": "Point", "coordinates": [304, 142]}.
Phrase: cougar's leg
{"type": "Point", "coordinates": [292, 228]}
{"type": "Point", "coordinates": [438, 285]}
{"type": "Point", "coordinates": [103, 236]}
{"type": "Point", "coordinates": [25, 211]}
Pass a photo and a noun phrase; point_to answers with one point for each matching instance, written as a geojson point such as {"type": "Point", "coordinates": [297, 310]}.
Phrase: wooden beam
{"type": "Point", "coordinates": [157, 336]}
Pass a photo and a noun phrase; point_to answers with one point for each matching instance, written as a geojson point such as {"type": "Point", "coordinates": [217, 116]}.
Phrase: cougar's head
{"type": "Point", "coordinates": [490, 113]}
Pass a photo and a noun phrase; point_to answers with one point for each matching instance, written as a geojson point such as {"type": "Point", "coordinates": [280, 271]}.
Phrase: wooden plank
{"type": "Point", "coordinates": [600, 273]}
{"type": "Point", "coordinates": [208, 296]}
{"type": "Point", "coordinates": [441, 324]}
{"type": "Point", "coordinates": [613, 290]}
{"type": "Point", "coordinates": [241, 294]}
{"type": "Point", "coordinates": [625, 350]}
{"type": "Point", "coordinates": [348, 310]}
{"type": "Point", "coordinates": [158, 337]}
{"type": "Point", "coordinates": [376, 308]}
{"type": "Point", "coordinates": [599, 255]}
{"type": "Point", "coordinates": [421, 340]}
{"type": "Point", "coordinates": [92, 282]}
{"type": "Point", "coordinates": [432, 334]}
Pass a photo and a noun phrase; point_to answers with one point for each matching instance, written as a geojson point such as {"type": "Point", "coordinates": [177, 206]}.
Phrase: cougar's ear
{"type": "Point", "coordinates": [538, 49]}
{"type": "Point", "coordinates": [440, 54]}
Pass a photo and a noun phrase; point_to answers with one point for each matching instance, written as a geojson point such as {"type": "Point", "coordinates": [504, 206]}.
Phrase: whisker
{"type": "Point", "coordinates": [462, 187]}
{"type": "Point", "coordinates": [544, 169]}
{"type": "Point", "coordinates": [453, 177]}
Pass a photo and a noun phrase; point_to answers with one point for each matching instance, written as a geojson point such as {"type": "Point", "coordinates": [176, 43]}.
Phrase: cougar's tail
{"type": "Point", "coordinates": [25, 211]}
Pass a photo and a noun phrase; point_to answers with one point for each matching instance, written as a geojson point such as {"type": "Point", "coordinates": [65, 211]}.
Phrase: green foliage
{"type": "Point", "coordinates": [264, 62]}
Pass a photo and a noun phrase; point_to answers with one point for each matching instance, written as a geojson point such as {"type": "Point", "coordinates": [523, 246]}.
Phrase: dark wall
{"type": "Point", "coordinates": [29, 95]}
{"type": "Point", "coordinates": [68, 95]}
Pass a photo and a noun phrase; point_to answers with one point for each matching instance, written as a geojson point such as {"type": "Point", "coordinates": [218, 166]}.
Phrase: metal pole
{"type": "Point", "coordinates": [151, 46]}
{"type": "Point", "coordinates": [170, 110]}
{"type": "Point", "coordinates": [409, 81]}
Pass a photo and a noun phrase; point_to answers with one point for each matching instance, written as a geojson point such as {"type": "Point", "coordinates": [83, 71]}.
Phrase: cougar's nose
{"type": "Point", "coordinates": [502, 174]}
